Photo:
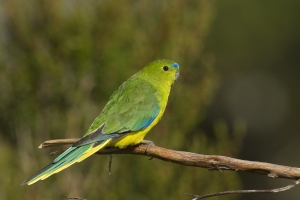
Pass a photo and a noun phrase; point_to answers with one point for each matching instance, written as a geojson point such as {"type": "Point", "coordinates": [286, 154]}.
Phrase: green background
{"type": "Point", "coordinates": [238, 94]}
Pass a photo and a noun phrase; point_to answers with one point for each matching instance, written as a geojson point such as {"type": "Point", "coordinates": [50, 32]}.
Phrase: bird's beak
{"type": "Point", "coordinates": [177, 75]}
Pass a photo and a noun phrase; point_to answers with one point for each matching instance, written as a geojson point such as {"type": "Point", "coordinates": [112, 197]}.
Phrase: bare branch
{"type": "Point", "coordinates": [211, 162]}
{"type": "Point", "coordinates": [57, 142]}
{"type": "Point", "coordinates": [109, 164]}
{"type": "Point", "coordinates": [197, 197]}
{"type": "Point", "coordinates": [77, 198]}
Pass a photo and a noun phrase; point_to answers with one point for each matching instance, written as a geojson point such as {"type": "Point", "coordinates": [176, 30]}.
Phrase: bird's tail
{"type": "Point", "coordinates": [66, 159]}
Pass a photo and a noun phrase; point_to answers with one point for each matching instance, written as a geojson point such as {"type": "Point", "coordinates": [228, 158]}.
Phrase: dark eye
{"type": "Point", "coordinates": [165, 68]}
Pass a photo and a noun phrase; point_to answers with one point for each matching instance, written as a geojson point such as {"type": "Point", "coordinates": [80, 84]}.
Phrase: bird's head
{"type": "Point", "coordinates": [161, 72]}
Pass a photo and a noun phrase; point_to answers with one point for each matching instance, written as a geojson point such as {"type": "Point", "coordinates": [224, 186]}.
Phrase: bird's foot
{"type": "Point", "coordinates": [149, 144]}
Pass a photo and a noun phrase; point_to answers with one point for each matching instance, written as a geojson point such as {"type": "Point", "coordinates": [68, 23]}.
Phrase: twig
{"type": "Point", "coordinates": [109, 165]}
{"type": "Point", "coordinates": [58, 142]}
{"type": "Point", "coordinates": [77, 198]}
{"type": "Point", "coordinates": [197, 197]}
{"type": "Point", "coordinates": [58, 151]}
{"type": "Point", "coordinates": [212, 162]}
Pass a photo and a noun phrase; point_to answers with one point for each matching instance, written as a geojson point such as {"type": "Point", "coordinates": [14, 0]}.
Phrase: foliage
{"type": "Point", "coordinates": [61, 60]}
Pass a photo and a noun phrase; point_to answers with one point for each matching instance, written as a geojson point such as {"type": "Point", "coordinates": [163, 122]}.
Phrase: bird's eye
{"type": "Point", "coordinates": [165, 68]}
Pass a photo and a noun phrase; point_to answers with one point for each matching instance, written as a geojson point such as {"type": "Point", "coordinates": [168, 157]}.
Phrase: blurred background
{"type": "Point", "coordinates": [238, 94]}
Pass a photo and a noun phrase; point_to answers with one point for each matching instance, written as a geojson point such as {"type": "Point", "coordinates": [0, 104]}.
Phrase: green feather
{"type": "Point", "coordinates": [130, 113]}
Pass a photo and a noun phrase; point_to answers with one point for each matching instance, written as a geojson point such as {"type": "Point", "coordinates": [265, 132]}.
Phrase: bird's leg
{"type": "Point", "coordinates": [149, 144]}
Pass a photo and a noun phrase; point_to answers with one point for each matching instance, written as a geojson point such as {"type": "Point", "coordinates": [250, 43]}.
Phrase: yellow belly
{"type": "Point", "coordinates": [135, 137]}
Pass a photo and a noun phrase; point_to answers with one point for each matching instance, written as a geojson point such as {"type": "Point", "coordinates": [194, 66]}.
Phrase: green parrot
{"type": "Point", "coordinates": [130, 113]}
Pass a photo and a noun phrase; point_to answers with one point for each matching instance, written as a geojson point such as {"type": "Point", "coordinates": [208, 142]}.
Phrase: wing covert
{"type": "Point", "coordinates": [134, 106]}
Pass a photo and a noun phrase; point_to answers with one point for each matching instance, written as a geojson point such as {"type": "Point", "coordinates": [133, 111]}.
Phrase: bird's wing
{"type": "Point", "coordinates": [133, 107]}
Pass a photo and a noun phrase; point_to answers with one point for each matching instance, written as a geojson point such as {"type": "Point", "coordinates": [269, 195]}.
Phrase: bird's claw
{"type": "Point", "coordinates": [149, 144]}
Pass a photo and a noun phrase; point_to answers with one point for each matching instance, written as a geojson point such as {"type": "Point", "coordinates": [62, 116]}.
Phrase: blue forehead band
{"type": "Point", "coordinates": [175, 65]}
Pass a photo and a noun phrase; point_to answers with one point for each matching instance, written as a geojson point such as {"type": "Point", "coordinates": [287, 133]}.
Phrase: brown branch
{"type": "Point", "coordinates": [212, 162]}
{"type": "Point", "coordinates": [197, 197]}
{"type": "Point", "coordinates": [58, 142]}
{"type": "Point", "coordinates": [77, 198]}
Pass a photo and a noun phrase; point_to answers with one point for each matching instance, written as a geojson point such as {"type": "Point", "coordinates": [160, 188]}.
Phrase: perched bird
{"type": "Point", "coordinates": [130, 113]}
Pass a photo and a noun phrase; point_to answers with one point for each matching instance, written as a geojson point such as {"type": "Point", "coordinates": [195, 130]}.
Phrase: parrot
{"type": "Point", "coordinates": [131, 112]}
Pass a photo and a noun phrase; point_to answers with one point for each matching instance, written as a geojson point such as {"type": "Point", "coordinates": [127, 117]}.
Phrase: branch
{"type": "Point", "coordinates": [197, 197]}
{"type": "Point", "coordinates": [58, 142]}
{"type": "Point", "coordinates": [211, 162]}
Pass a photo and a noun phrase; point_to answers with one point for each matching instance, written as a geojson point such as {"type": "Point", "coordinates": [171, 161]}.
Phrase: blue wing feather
{"type": "Point", "coordinates": [140, 125]}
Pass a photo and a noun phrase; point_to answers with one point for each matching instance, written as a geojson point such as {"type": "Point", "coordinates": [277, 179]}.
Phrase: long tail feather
{"type": "Point", "coordinates": [66, 159]}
